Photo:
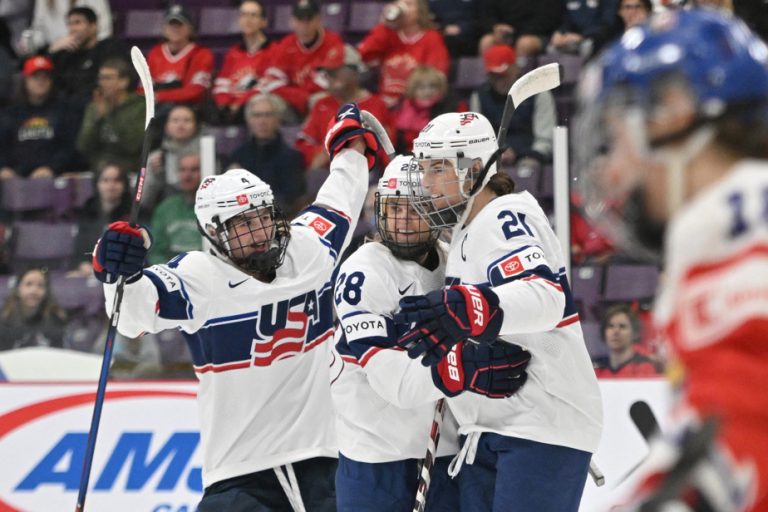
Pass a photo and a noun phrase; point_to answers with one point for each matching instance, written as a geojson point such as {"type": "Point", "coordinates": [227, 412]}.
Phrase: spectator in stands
{"type": "Point", "coordinates": [267, 156]}
{"type": "Point", "coordinates": [244, 64]}
{"type": "Point", "coordinates": [426, 96]}
{"type": "Point", "coordinates": [457, 22]}
{"type": "Point", "coordinates": [296, 58]}
{"type": "Point", "coordinates": [181, 135]}
{"type": "Point", "coordinates": [620, 330]}
{"type": "Point", "coordinates": [524, 24]}
{"type": "Point", "coordinates": [403, 40]}
{"type": "Point", "coordinates": [16, 14]}
{"type": "Point", "coordinates": [30, 317]}
{"type": "Point", "coordinates": [174, 224]}
{"type": "Point", "coordinates": [37, 134]}
{"type": "Point", "coordinates": [78, 57]}
{"type": "Point", "coordinates": [529, 138]}
{"type": "Point", "coordinates": [181, 69]}
{"type": "Point", "coordinates": [50, 23]}
{"type": "Point", "coordinates": [110, 203]}
{"type": "Point", "coordinates": [634, 12]}
{"type": "Point", "coordinates": [583, 21]}
{"type": "Point", "coordinates": [113, 127]}
{"type": "Point", "coordinates": [343, 77]}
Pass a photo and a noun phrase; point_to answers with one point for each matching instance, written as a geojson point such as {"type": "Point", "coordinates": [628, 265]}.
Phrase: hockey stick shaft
{"type": "Point", "coordinates": [425, 475]}
{"type": "Point", "coordinates": [538, 80]}
{"type": "Point", "coordinates": [143, 71]}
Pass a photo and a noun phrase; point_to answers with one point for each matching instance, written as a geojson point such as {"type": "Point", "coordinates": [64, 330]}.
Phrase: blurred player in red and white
{"type": "Point", "coordinates": [676, 114]}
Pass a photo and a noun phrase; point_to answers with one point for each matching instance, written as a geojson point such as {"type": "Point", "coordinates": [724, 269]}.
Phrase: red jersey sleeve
{"type": "Point", "coordinates": [376, 44]}
{"type": "Point", "coordinates": [437, 56]}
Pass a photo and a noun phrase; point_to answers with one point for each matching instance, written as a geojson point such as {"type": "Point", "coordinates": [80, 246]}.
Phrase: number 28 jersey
{"type": "Point", "coordinates": [384, 400]}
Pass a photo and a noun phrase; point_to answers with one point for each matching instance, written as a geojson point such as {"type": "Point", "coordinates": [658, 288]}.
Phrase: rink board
{"type": "Point", "coordinates": [148, 457]}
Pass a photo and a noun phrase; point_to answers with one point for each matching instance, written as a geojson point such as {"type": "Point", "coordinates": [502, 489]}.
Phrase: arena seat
{"type": "Point", "coordinates": [630, 282]}
{"type": "Point", "coordinates": [364, 15]}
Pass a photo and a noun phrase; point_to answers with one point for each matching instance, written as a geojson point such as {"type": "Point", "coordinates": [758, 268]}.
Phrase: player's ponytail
{"type": "Point", "coordinates": [501, 184]}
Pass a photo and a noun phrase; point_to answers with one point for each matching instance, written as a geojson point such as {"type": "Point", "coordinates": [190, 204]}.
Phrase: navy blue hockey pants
{"type": "Point", "coordinates": [261, 491]}
{"type": "Point", "coordinates": [391, 486]}
{"type": "Point", "coordinates": [518, 475]}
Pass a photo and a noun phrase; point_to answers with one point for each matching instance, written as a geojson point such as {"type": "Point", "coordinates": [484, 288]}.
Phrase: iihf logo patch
{"type": "Point", "coordinates": [242, 199]}
{"type": "Point", "coordinates": [392, 183]}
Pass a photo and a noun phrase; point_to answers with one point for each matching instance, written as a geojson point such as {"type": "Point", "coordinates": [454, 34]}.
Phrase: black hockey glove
{"type": "Point", "coordinates": [348, 126]}
{"type": "Point", "coordinates": [495, 371]}
{"type": "Point", "coordinates": [447, 316]}
{"type": "Point", "coordinates": [120, 251]}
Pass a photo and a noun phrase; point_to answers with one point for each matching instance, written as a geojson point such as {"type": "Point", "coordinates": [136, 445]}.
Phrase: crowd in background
{"type": "Point", "coordinates": [72, 114]}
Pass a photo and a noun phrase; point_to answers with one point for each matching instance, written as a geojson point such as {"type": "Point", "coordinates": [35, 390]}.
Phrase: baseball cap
{"type": "Point", "coordinates": [305, 9]}
{"type": "Point", "coordinates": [37, 63]}
{"type": "Point", "coordinates": [350, 58]}
{"type": "Point", "coordinates": [498, 58]}
{"type": "Point", "coordinates": [178, 13]}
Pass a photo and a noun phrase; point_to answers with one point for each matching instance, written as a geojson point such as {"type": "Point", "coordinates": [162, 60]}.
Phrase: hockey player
{"type": "Point", "coordinates": [384, 400]}
{"type": "Point", "coordinates": [257, 314]}
{"type": "Point", "coordinates": [682, 107]}
{"type": "Point", "coordinates": [507, 284]}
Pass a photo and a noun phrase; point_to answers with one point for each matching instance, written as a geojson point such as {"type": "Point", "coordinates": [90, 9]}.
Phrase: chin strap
{"type": "Point", "coordinates": [679, 158]}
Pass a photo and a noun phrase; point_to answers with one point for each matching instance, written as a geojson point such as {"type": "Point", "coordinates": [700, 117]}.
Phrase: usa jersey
{"type": "Point", "coordinates": [384, 400]}
{"type": "Point", "coordinates": [260, 350]}
{"type": "Point", "coordinates": [511, 246]}
{"type": "Point", "coordinates": [713, 309]}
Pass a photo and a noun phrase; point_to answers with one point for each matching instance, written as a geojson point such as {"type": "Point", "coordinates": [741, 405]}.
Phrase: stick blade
{"type": "Point", "coordinates": [543, 78]}
{"type": "Point", "coordinates": [142, 69]}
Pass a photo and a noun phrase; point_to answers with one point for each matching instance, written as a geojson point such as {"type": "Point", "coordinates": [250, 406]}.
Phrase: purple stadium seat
{"type": "Point", "coordinates": [42, 242]}
{"type": "Point", "coordinates": [281, 19]}
{"type": "Point", "coordinates": [470, 73]}
{"type": "Point", "coordinates": [143, 23]}
{"type": "Point", "coordinates": [593, 339]}
{"type": "Point", "coordinates": [524, 179]}
{"type": "Point", "coordinates": [77, 293]}
{"type": "Point", "coordinates": [334, 16]}
{"type": "Point", "coordinates": [24, 195]}
{"type": "Point", "coordinates": [84, 189]}
{"type": "Point", "coordinates": [587, 286]}
{"type": "Point", "coordinates": [228, 138]}
{"type": "Point", "coordinates": [546, 183]}
{"type": "Point", "coordinates": [364, 15]}
{"type": "Point", "coordinates": [219, 21]}
{"type": "Point", "coordinates": [630, 282]}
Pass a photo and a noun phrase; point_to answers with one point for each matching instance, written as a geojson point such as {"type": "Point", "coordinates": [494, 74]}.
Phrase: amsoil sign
{"type": "Point", "coordinates": [146, 458]}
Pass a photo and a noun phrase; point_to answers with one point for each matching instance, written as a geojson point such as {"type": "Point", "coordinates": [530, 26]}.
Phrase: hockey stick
{"type": "Point", "coordinates": [425, 475]}
{"type": "Point", "coordinates": [140, 64]}
{"type": "Point", "coordinates": [646, 423]}
{"type": "Point", "coordinates": [538, 80]}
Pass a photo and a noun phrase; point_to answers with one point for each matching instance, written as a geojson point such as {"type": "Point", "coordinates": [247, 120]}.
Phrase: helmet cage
{"type": "Point", "coordinates": [407, 246]}
{"type": "Point", "coordinates": [444, 210]}
{"type": "Point", "coordinates": [273, 230]}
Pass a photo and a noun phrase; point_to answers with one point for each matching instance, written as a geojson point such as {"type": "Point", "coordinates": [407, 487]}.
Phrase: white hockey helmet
{"type": "Point", "coordinates": [457, 155]}
{"type": "Point", "coordinates": [225, 200]}
{"type": "Point", "coordinates": [401, 228]}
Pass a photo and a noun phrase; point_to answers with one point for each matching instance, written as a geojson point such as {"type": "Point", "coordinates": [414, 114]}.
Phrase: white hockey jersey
{"type": "Point", "coordinates": [260, 350]}
{"type": "Point", "coordinates": [511, 246]}
{"type": "Point", "coordinates": [384, 400]}
{"type": "Point", "coordinates": [713, 308]}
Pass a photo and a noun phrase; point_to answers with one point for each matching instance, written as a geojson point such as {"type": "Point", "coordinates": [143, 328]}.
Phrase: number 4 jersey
{"type": "Point", "coordinates": [511, 246]}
